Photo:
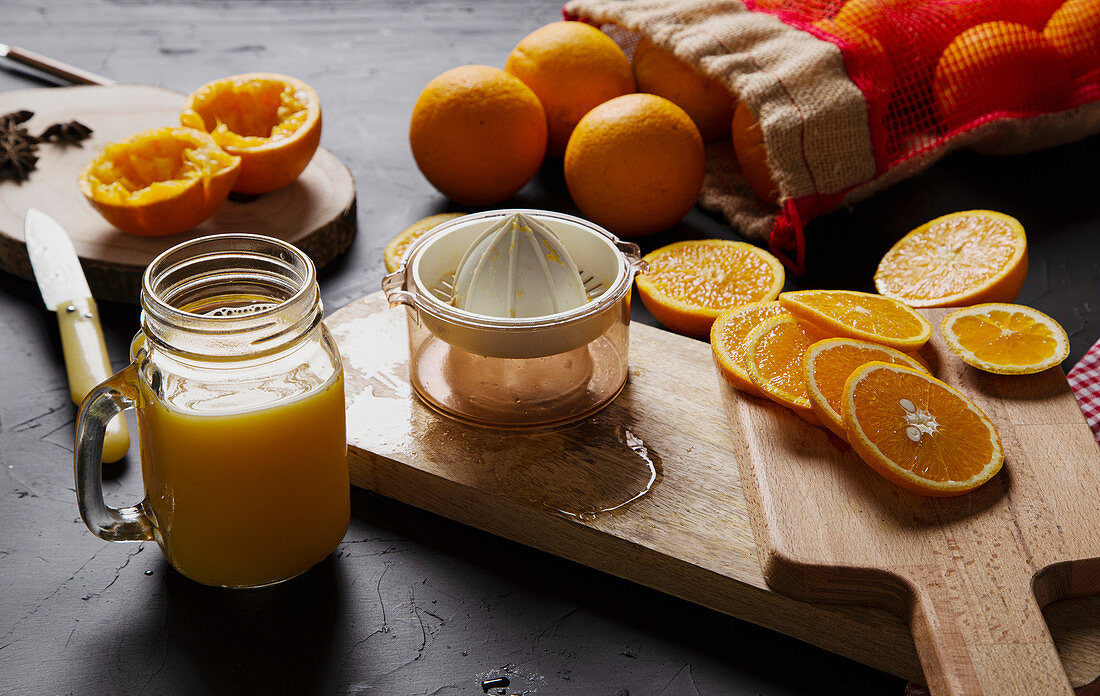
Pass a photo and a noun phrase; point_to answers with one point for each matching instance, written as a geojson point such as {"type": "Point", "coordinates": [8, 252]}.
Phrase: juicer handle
{"type": "Point", "coordinates": [103, 403]}
{"type": "Point", "coordinates": [633, 254]}
{"type": "Point", "coordinates": [393, 285]}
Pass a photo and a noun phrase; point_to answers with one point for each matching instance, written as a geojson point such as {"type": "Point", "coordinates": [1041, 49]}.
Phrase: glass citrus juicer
{"type": "Point", "coordinates": [517, 318]}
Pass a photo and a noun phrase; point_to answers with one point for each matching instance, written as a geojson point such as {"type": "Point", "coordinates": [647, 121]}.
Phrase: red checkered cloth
{"type": "Point", "coordinates": [1084, 379]}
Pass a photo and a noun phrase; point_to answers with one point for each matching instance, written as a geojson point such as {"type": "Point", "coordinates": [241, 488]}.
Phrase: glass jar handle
{"type": "Point", "coordinates": [103, 403]}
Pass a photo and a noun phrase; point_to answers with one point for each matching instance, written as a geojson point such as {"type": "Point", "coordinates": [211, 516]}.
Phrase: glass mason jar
{"type": "Point", "coordinates": [239, 395]}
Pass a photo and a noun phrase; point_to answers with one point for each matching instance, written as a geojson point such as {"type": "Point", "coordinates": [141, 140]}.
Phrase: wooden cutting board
{"type": "Point", "coordinates": [316, 212]}
{"type": "Point", "coordinates": [691, 534]}
{"type": "Point", "coordinates": [969, 573]}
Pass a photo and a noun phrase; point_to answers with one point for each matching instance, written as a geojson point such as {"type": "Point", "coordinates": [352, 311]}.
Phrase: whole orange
{"type": "Point", "coordinates": [752, 153]}
{"type": "Point", "coordinates": [1033, 13]}
{"type": "Point", "coordinates": [993, 67]}
{"type": "Point", "coordinates": [478, 134]}
{"type": "Point", "coordinates": [1074, 31]}
{"type": "Point", "coordinates": [914, 30]}
{"type": "Point", "coordinates": [706, 100]}
{"type": "Point", "coordinates": [635, 164]}
{"type": "Point", "coordinates": [913, 34]}
{"type": "Point", "coordinates": [572, 67]}
{"type": "Point", "coordinates": [869, 15]}
{"type": "Point", "coordinates": [866, 56]}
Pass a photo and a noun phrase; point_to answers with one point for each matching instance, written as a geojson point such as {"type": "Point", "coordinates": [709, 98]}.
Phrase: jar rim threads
{"type": "Point", "coordinates": [257, 293]}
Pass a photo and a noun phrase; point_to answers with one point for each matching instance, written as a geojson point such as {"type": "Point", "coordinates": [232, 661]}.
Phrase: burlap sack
{"type": "Point", "coordinates": [815, 119]}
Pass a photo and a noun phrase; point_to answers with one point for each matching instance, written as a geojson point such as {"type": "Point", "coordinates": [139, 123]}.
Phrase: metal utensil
{"type": "Point", "coordinates": [65, 291]}
{"type": "Point", "coordinates": [52, 67]}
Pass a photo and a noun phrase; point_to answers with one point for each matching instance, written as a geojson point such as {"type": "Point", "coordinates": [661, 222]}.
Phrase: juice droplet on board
{"type": "Point", "coordinates": [616, 469]}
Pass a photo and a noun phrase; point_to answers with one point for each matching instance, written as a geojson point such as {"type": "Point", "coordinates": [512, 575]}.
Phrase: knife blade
{"type": "Point", "coordinates": [52, 67]}
{"type": "Point", "coordinates": [65, 291]}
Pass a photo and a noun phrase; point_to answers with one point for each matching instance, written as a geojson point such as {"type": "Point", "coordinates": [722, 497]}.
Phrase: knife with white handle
{"type": "Point", "coordinates": [65, 291]}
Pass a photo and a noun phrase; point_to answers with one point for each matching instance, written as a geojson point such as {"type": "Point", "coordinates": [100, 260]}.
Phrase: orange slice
{"type": "Point", "coordinates": [828, 364]}
{"type": "Point", "coordinates": [773, 353]}
{"type": "Point", "coordinates": [397, 247]}
{"type": "Point", "coordinates": [1007, 339]}
{"type": "Point", "coordinates": [918, 432]}
{"type": "Point", "coordinates": [159, 182]}
{"type": "Point", "coordinates": [860, 315]}
{"type": "Point", "coordinates": [959, 259]}
{"type": "Point", "coordinates": [690, 283]}
{"type": "Point", "coordinates": [727, 341]}
{"type": "Point", "coordinates": [272, 122]}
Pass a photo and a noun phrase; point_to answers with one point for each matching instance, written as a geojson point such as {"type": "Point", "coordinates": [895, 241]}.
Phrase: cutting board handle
{"type": "Point", "coordinates": [989, 644]}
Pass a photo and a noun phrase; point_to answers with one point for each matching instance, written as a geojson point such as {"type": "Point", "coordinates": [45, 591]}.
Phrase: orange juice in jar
{"type": "Point", "coordinates": [239, 394]}
{"type": "Point", "coordinates": [276, 475]}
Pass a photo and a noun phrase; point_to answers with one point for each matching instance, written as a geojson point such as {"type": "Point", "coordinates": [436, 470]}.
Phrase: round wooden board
{"type": "Point", "coordinates": [316, 212]}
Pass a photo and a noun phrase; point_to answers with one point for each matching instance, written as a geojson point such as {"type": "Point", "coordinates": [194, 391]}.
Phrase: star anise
{"type": "Point", "coordinates": [18, 148]}
{"type": "Point", "coordinates": [17, 154]}
{"type": "Point", "coordinates": [69, 133]}
{"type": "Point", "coordinates": [9, 121]}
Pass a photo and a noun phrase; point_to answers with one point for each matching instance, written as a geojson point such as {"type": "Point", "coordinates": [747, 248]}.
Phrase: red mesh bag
{"type": "Point", "coordinates": [851, 97]}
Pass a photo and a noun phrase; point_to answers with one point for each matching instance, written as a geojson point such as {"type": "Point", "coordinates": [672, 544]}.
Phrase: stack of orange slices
{"type": "Point", "coordinates": [849, 360]}
{"type": "Point", "coordinates": [762, 348]}
{"type": "Point", "coordinates": [846, 360]}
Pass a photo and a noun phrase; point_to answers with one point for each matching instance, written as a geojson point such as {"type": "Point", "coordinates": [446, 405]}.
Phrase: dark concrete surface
{"type": "Point", "coordinates": [410, 603]}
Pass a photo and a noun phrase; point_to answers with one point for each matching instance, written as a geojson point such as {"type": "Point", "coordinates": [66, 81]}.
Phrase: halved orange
{"type": "Point", "coordinates": [956, 260]}
{"type": "Point", "coordinates": [773, 355]}
{"type": "Point", "coordinates": [690, 283]}
{"type": "Point", "coordinates": [159, 182]}
{"type": "Point", "coordinates": [727, 341]}
{"type": "Point", "coordinates": [828, 364]}
{"type": "Point", "coordinates": [917, 431]}
{"type": "Point", "coordinates": [1007, 339]}
{"type": "Point", "coordinates": [272, 122]}
{"type": "Point", "coordinates": [397, 246]}
{"type": "Point", "coordinates": [860, 315]}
